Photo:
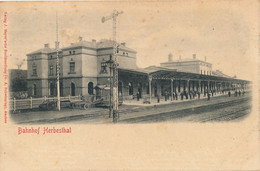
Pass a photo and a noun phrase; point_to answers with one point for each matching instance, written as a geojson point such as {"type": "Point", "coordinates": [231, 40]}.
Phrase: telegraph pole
{"type": "Point", "coordinates": [58, 64]}
{"type": "Point", "coordinates": [114, 16]}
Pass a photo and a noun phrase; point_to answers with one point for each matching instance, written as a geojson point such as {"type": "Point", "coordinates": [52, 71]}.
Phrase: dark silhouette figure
{"type": "Point", "coordinates": [158, 98]}
{"type": "Point", "coordinates": [229, 93]}
{"type": "Point", "coordinates": [208, 96]}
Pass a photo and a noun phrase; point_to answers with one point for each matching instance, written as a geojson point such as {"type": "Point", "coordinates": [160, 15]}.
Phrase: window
{"type": "Point", "coordinates": [51, 70]}
{"type": "Point", "coordinates": [34, 70]}
{"type": "Point", "coordinates": [124, 53]}
{"type": "Point", "coordinates": [70, 52]}
{"type": "Point", "coordinates": [131, 88]}
{"type": "Point", "coordinates": [73, 52]}
{"type": "Point", "coordinates": [34, 90]}
{"type": "Point", "coordinates": [103, 68]}
{"type": "Point", "coordinates": [72, 89]}
{"type": "Point", "coordinates": [90, 88]}
{"type": "Point", "coordinates": [72, 67]}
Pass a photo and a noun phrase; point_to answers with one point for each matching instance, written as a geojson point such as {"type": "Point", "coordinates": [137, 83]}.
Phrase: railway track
{"type": "Point", "coordinates": [215, 111]}
{"type": "Point", "coordinates": [242, 111]}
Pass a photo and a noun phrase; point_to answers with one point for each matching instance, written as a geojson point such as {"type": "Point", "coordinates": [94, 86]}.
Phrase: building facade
{"type": "Point", "coordinates": [83, 66]}
{"type": "Point", "coordinates": [84, 70]}
{"type": "Point", "coordinates": [193, 65]}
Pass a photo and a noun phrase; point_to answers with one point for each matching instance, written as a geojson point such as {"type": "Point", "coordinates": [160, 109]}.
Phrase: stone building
{"type": "Point", "coordinates": [84, 71]}
{"type": "Point", "coordinates": [193, 65]}
{"type": "Point", "coordinates": [82, 67]}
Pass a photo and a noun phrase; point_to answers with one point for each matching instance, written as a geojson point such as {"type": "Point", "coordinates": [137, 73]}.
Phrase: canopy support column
{"type": "Point", "coordinates": [171, 89]}
{"type": "Point", "coordinates": [150, 89]}
{"type": "Point", "coordinates": [199, 86]}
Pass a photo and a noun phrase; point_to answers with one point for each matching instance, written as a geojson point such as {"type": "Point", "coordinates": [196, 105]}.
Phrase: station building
{"type": "Point", "coordinates": [82, 67]}
{"type": "Point", "coordinates": [193, 65]}
{"type": "Point", "coordinates": [84, 70]}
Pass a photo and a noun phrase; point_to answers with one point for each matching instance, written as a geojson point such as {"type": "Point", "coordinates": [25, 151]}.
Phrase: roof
{"type": "Point", "coordinates": [104, 43]}
{"type": "Point", "coordinates": [43, 50]}
{"type": "Point", "coordinates": [185, 60]}
{"type": "Point", "coordinates": [167, 74]}
{"type": "Point", "coordinates": [151, 69]}
{"type": "Point", "coordinates": [219, 73]}
{"type": "Point", "coordinates": [134, 71]}
{"type": "Point", "coordinates": [81, 44]}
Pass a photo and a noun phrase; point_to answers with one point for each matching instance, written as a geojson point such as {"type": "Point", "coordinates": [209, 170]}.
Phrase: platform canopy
{"type": "Point", "coordinates": [161, 73]}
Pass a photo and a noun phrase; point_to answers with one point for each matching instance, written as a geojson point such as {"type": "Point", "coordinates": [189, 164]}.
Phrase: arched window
{"type": "Point", "coordinates": [72, 89]}
{"type": "Point", "coordinates": [34, 90]}
{"type": "Point", "coordinates": [131, 88]}
{"type": "Point", "coordinates": [90, 88]}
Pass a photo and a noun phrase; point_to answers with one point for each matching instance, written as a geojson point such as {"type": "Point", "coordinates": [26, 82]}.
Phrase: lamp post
{"type": "Point", "coordinates": [113, 17]}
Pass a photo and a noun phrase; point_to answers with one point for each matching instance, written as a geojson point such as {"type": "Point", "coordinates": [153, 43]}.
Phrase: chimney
{"type": "Point", "coordinates": [46, 45]}
{"type": "Point", "coordinates": [123, 43]}
{"type": "Point", "coordinates": [180, 57]}
{"type": "Point", "coordinates": [170, 57]}
{"type": "Point", "coordinates": [194, 56]}
{"type": "Point", "coordinates": [205, 58]}
{"type": "Point", "coordinates": [94, 41]}
{"type": "Point", "coordinates": [80, 38]}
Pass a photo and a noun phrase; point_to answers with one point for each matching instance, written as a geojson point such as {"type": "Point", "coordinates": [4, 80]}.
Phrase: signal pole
{"type": "Point", "coordinates": [57, 63]}
{"type": "Point", "coordinates": [113, 16]}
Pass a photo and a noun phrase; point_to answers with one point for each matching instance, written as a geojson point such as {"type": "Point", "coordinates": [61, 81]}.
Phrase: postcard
{"type": "Point", "coordinates": [121, 85]}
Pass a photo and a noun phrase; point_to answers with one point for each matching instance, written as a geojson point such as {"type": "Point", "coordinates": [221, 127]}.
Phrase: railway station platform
{"type": "Point", "coordinates": [154, 100]}
{"type": "Point", "coordinates": [126, 111]}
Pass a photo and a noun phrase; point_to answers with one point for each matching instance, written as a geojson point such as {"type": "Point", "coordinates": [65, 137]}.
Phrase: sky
{"type": "Point", "coordinates": [225, 32]}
